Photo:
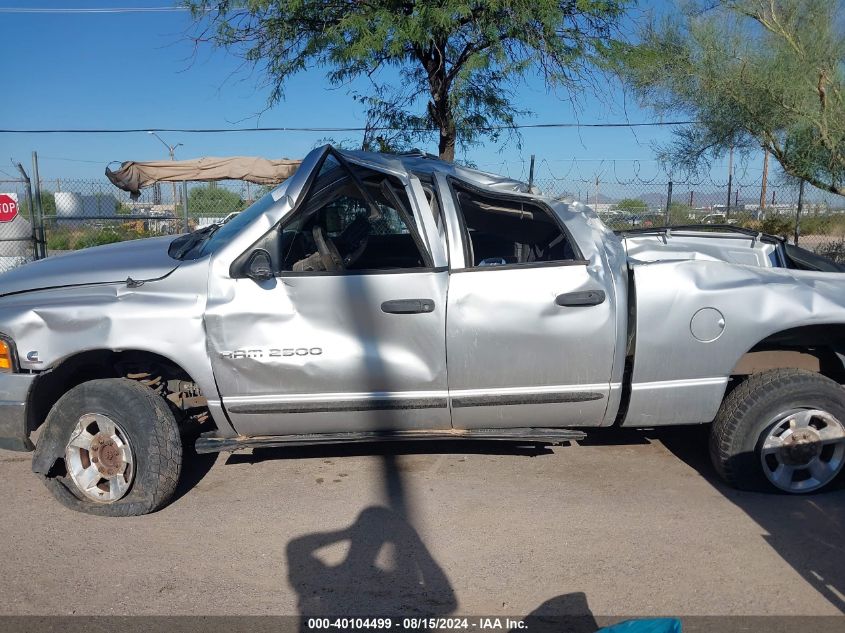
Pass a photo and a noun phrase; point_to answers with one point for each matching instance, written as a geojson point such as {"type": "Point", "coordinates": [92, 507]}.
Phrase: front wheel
{"type": "Point", "coordinates": [781, 430]}
{"type": "Point", "coordinates": [120, 448]}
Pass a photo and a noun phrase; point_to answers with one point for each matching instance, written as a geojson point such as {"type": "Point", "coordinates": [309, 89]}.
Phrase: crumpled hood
{"type": "Point", "coordinates": [142, 260]}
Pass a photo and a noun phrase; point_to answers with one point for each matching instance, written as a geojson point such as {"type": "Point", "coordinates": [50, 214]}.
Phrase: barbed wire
{"type": "Point", "coordinates": [382, 128]}
{"type": "Point", "coordinates": [620, 177]}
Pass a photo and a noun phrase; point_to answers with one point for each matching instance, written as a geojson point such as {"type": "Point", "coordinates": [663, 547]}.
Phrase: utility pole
{"type": "Point", "coordinates": [765, 179]}
{"type": "Point", "coordinates": [730, 181]}
{"type": "Point", "coordinates": [185, 225]}
{"type": "Point", "coordinates": [42, 244]}
{"type": "Point", "coordinates": [36, 246]}
{"type": "Point", "coordinates": [172, 150]}
{"type": "Point", "coordinates": [668, 204]}
{"type": "Point", "coordinates": [798, 211]}
{"type": "Point", "coordinates": [531, 173]}
{"type": "Point", "coordinates": [597, 193]}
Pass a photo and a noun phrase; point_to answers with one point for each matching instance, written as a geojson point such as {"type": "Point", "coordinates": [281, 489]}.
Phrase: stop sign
{"type": "Point", "coordinates": [8, 206]}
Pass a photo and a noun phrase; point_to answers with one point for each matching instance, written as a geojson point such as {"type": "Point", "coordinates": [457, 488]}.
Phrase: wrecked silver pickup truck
{"type": "Point", "coordinates": [398, 297]}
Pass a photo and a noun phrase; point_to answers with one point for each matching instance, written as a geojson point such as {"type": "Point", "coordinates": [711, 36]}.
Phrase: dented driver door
{"type": "Point", "coordinates": [331, 351]}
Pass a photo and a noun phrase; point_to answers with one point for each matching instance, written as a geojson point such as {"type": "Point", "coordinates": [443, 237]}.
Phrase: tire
{"type": "Point", "coordinates": [136, 449]}
{"type": "Point", "coordinates": [781, 431]}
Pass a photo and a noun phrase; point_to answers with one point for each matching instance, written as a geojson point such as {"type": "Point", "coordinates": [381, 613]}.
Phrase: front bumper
{"type": "Point", "coordinates": [14, 389]}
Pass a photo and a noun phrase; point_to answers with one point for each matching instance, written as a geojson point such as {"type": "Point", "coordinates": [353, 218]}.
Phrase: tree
{"type": "Point", "coordinates": [632, 206]}
{"type": "Point", "coordinates": [752, 74]}
{"type": "Point", "coordinates": [205, 201]}
{"type": "Point", "coordinates": [463, 59]}
{"type": "Point", "coordinates": [48, 206]}
{"type": "Point", "coordinates": [679, 213]}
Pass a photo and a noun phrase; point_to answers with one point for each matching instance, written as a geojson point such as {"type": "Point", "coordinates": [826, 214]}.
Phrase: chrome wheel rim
{"type": "Point", "coordinates": [99, 458]}
{"type": "Point", "coordinates": [803, 450]}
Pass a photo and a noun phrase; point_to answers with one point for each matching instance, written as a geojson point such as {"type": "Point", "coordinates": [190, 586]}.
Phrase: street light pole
{"type": "Point", "coordinates": [172, 150]}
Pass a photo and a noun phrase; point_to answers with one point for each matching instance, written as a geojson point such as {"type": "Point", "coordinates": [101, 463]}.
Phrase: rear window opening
{"type": "Point", "coordinates": [506, 231]}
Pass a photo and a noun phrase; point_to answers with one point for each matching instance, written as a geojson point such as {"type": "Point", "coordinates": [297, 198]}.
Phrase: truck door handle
{"type": "Point", "coordinates": [408, 306]}
{"type": "Point", "coordinates": [580, 298]}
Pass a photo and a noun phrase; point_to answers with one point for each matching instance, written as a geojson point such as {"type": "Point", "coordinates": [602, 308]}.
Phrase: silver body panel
{"type": "Point", "coordinates": [314, 353]}
{"type": "Point", "coordinates": [679, 379]}
{"type": "Point", "coordinates": [14, 390]}
{"type": "Point", "coordinates": [515, 357]}
{"type": "Point", "coordinates": [712, 246]}
{"type": "Point", "coordinates": [164, 317]}
{"type": "Point", "coordinates": [140, 259]}
{"type": "Point", "coordinates": [374, 371]}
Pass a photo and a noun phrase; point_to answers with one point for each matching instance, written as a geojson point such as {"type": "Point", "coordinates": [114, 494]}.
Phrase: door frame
{"type": "Point", "coordinates": [312, 405]}
{"type": "Point", "coordinates": [532, 397]}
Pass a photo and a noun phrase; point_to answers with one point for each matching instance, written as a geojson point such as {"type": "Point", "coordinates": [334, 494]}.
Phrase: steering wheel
{"type": "Point", "coordinates": [327, 249]}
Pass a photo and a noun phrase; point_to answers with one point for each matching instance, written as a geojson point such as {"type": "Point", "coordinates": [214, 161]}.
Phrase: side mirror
{"type": "Point", "coordinates": [259, 266]}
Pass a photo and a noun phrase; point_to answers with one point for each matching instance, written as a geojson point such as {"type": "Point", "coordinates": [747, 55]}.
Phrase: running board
{"type": "Point", "coordinates": [212, 444]}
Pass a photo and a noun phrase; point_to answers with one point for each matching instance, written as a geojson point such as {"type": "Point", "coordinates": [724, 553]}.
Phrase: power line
{"type": "Point", "coordinates": [49, 10]}
{"type": "Point", "coordinates": [603, 160]}
{"type": "Point", "coordinates": [328, 129]}
{"type": "Point", "coordinates": [71, 160]}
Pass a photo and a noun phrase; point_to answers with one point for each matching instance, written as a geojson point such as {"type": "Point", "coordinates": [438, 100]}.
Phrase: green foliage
{"type": "Point", "coordinates": [460, 61]}
{"type": "Point", "coordinates": [58, 241]}
{"type": "Point", "coordinates": [67, 238]}
{"type": "Point", "coordinates": [211, 200]}
{"type": "Point", "coordinates": [827, 224]}
{"type": "Point", "coordinates": [776, 224]}
{"type": "Point", "coordinates": [101, 237]}
{"type": "Point", "coordinates": [632, 205]}
{"type": "Point", "coordinates": [48, 205]}
{"type": "Point", "coordinates": [752, 74]}
{"type": "Point", "coordinates": [390, 127]}
{"type": "Point", "coordinates": [834, 250]}
{"type": "Point", "coordinates": [679, 213]}
{"type": "Point", "coordinates": [773, 224]}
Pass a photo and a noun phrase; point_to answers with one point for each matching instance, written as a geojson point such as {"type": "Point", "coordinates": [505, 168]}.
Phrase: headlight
{"type": "Point", "coordinates": [8, 361]}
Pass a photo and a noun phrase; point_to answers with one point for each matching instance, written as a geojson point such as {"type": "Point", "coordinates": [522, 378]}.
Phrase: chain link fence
{"type": "Point", "coordinates": [805, 215]}
{"type": "Point", "coordinates": [17, 224]}
{"type": "Point", "coordinates": [82, 213]}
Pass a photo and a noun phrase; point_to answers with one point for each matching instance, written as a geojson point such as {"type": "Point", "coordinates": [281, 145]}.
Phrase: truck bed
{"type": "Point", "coordinates": [728, 244]}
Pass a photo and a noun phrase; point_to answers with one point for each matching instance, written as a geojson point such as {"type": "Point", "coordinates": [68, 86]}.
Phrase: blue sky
{"type": "Point", "coordinates": [135, 70]}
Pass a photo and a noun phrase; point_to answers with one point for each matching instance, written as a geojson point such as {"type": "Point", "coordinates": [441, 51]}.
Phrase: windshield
{"type": "Point", "coordinates": [202, 242]}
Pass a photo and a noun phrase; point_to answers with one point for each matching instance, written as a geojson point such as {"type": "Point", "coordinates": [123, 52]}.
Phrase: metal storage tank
{"type": "Point", "coordinates": [15, 253]}
{"type": "Point", "coordinates": [68, 204]}
{"type": "Point", "coordinates": [99, 205]}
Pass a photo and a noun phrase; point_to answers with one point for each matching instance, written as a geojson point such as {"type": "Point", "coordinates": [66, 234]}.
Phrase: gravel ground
{"type": "Point", "coordinates": [624, 523]}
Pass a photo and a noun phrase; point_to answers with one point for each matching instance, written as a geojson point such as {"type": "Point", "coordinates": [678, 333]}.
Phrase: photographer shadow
{"type": "Point", "coordinates": [566, 613]}
{"type": "Point", "coordinates": [378, 566]}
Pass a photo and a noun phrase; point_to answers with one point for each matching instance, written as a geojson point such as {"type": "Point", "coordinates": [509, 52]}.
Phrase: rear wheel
{"type": "Point", "coordinates": [781, 430]}
{"type": "Point", "coordinates": [120, 446]}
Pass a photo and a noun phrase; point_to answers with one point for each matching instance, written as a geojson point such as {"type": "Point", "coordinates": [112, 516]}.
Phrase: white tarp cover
{"type": "Point", "coordinates": [134, 176]}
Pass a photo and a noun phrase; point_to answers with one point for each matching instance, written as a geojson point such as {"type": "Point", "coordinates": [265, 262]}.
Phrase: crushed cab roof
{"type": "Point", "coordinates": [421, 163]}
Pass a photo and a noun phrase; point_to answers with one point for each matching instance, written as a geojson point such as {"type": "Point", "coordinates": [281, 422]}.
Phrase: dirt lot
{"type": "Point", "coordinates": [622, 524]}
